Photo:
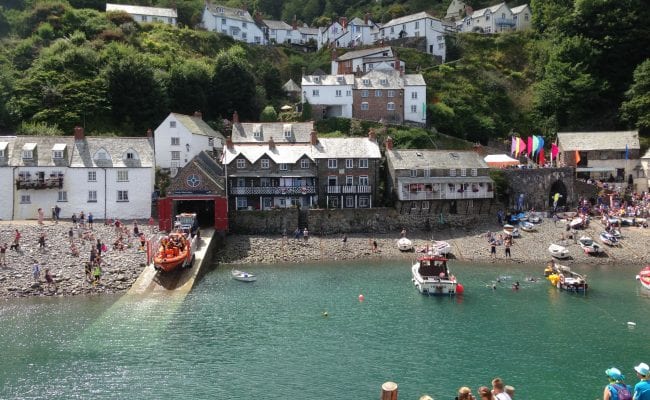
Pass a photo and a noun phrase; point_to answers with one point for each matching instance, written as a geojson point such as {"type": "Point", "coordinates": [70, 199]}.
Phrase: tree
{"type": "Point", "coordinates": [269, 114]}
{"type": "Point", "coordinates": [306, 111]}
{"type": "Point", "coordinates": [269, 77]}
{"type": "Point", "coordinates": [188, 87]}
{"type": "Point", "coordinates": [636, 109]}
{"type": "Point", "coordinates": [233, 86]}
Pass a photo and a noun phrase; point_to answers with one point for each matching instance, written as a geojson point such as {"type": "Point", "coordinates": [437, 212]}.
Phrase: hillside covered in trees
{"type": "Point", "coordinates": [584, 66]}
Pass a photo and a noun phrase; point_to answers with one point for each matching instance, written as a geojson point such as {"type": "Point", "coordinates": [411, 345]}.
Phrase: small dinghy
{"type": "Point", "coordinates": [508, 229]}
{"type": "Point", "coordinates": [558, 251]}
{"type": "Point", "coordinates": [243, 276]}
{"type": "Point", "coordinates": [535, 218]}
{"type": "Point", "coordinates": [644, 277]}
{"type": "Point", "coordinates": [589, 246]}
{"type": "Point", "coordinates": [441, 247]}
{"type": "Point", "coordinates": [404, 244]}
{"type": "Point", "coordinates": [577, 223]}
{"type": "Point", "coordinates": [609, 239]}
{"type": "Point", "coordinates": [527, 226]}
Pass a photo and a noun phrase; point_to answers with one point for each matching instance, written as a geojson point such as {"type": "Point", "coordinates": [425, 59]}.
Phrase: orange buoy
{"type": "Point", "coordinates": [460, 288]}
{"type": "Point", "coordinates": [361, 298]}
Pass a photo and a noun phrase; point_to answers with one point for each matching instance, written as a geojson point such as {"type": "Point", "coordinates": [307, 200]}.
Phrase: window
{"type": "Point", "coordinates": [284, 167]}
{"type": "Point", "coordinates": [62, 196]}
{"type": "Point", "coordinates": [92, 176]}
{"type": "Point", "coordinates": [392, 29]}
{"type": "Point", "coordinates": [122, 195]}
{"type": "Point", "coordinates": [452, 172]}
{"type": "Point", "coordinates": [2, 153]}
{"type": "Point", "coordinates": [57, 154]}
{"type": "Point", "coordinates": [25, 199]}
{"type": "Point", "coordinates": [441, 46]}
{"type": "Point", "coordinates": [363, 180]}
{"type": "Point", "coordinates": [349, 180]}
{"type": "Point", "coordinates": [463, 172]}
{"type": "Point", "coordinates": [172, 124]}
{"type": "Point", "coordinates": [244, 25]}
{"type": "Point", "coordinates": [338, 93]}
{"type": "Point", "coordinates": [390, 106]}
{"type": "Point", "coordinates": [349, 163]}
{"type": "Point", "coordinates": [526, 17]}
{"type": "Point", "coordinates": [304, 163]}
{"type": "Point", "coordinates": [315, 93]}
{"type": "Point", "coordinates": [92, 196]}
{"type": "Point", "coordinates": [391, 93]}
{"type": "Point", "coordinates": [176, 155]}
{"type": "Point", "coordinates": [211, 142]}
{"type": "Point", "coordinates": [265, 163]}
{"type": "Point", "coordinates": [242, 204]}
{"type": "Point", "coordinates": [130, 156]}
{"type": "Point", "coordinates": [244, 35]}
{"type": "Point", "coordinates": [417, 24]}
{"type": "Point", "coordinates": [414, 95]}
{"type": "Point", "coordinates": [331, 163]}
{"type": "Point", "coordinates": [487, 17]}
{"type": "Point", "coordinates": [365, 81]}
{"type": "Point", "coordinates": [474, 172]}
{"type": "Point", "coordinates": [241, 163]}
{"type": "Point", "coordinates": [427, 172]}
{"type": "Point", "coordinates": [349, 201]}
{"type": "Point", "coordinates": [176, 141]}
{"type": "Point", "coordinates": [440, 38]}
{"type": "Point", "coordinates": [317, 79]}
{"type": "Point", "coordinates": [348, 93]}
{"type": "Point", "coordinates": [123, 176]}
{"type": "Point", "coordinates": [414, 109]}
{"type": "Point", "coordinates": [377, 93]}
{"type": "Point", "coordinates": [364, 106]}
{"type": "Point", "coordinates": [363, 163]}
{"type": "Point", "coordinates": [414, 173]}
{"type": "Point", "coordinates": [425, 205]}
{"type": "Point", "coordinates": [287, 131]}
{"type": "Point", "coordinates": [28, 154]}
{"type": "Point", "coordinates": [364, 93]}
{"type": "Point", "coordinates": [223, 21]}
{"type": "Point", "coordinates": [364, 201]}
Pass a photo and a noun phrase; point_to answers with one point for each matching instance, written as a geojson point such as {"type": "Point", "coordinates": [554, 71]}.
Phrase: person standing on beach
{"type": "Point", "coordinates": [41, 215]}
{"type": "Point", "coordinates": [48, 278]}
{"type": "Point", "coordinates": [82, 220]}
{"type": "Point", "coordinates": [507, 244]}
{"type": "Point", "coordinates": [493, 248]}
{"type": "Point", "coordinates": [642, 389]}
{"type": "Point", "coordinates": [16, 244]}
{"type": "Point", "coordinates": [305, 234]}
{"type": "Point", "coordinates": [90, 220]}
{"type": "Point", "coordinates": [74, 220]}
{"type": "Point", "coordinates": [41, 241]}
{"type": "Point", "coordinates": [36, 271]}
{"type": "Point", "coordinates": [3, 250]}
{"type": "Point", "coordinates": [57, 212]}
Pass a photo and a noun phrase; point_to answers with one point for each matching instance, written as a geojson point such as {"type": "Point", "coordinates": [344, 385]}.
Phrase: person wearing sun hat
{"type": "Point", "coordinates": [642, 389]}
{"type": "Point", "coordinates": [616, 389]}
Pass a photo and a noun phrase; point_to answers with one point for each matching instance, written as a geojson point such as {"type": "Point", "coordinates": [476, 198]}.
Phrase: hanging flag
{"type": "Point", "coordinates": [522, 145]}
{"type": "Point", "coordinates": [513, 146]}
{"type": "Point", "coordinates": [542, 159]}
{"type": "Point", "coordinates": [530, 145]}
{"type": "Point", "coordinates": [541, 144]}
{"type": "Point", "coordinates": [554, 151]}
{"type": "Point", "coordinates": [627, 152]}
{"type": "Point", "coordinates": [577, 157]}
{"type": "Point", "coordinates": [535, 148]}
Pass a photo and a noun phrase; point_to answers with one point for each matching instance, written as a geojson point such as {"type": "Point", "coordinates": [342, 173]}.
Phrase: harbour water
{"type": "Point", "coordinates": [271, 339]}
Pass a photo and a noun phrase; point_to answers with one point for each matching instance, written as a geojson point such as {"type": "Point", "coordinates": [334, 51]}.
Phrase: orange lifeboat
{"type": "Point", "coordinates": [174, 251]}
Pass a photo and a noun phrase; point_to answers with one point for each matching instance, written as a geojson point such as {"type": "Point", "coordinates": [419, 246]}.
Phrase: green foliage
{"type": "Point", "coordinates": [306, 112]}
{"type": "Point", "coordinates": [38, 129]}
{"type": "Point", "coordinates": [269, 114]}
{"type": "Point", "coordinates": [636, 109]}
{"type": "Point", "coordinates": [333, 124]}
{"type": "Point", "coordinates": [355, 128]}
{"type": "Point", "coordinates": [233, 85]}
{"type": "Point", "coordinates": [500, 185]}
{"type": "Point", "coordinates": [187, 89]}
{"type": "Point", "coordinates": [414, 138]}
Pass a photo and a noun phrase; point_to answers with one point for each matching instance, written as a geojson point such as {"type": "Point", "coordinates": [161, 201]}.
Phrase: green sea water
{"type": "Point", "coordinates": [270, 339]}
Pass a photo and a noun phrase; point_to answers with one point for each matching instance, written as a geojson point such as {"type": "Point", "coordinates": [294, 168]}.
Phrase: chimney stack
{"type": "Point", "coordinates": [149, 133]}
{"type": "Point", "coordinates": [229, 143]}
{"type": "Point", "coordinates": [372, 136]}
{"type": "Point", "coordinates": [258, 17]}
{"type": "Point", "coordinates": [344, 22]}
{"type": "Point", "coordinates": [294, 23]}
{"type": "Point", "coordinates": [335, 54]}
{"type": "Point", "coordinates": [271, 143]}
{"type": "Point", "coordinates": [389, 143]}
{"type": "Point", "coordinates": [366, 18]}
{"type": "Point", "coordinates": [235, 118]}
{"type": "Point", "coordinates": [198, 114]}
{"type": "Point", "coordinates": [78, 133]}
{"type": "Point", "coordinates": [313, 138]}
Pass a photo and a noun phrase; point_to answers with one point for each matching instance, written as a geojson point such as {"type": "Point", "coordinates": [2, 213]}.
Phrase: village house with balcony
{"type": "Point", "coordinates": [366, 60]}
{"type": "Point", "coordinates": [142, 14]}
{"type": "Point", "coordinates": [495, 19]}
{"type": "Point", "coordinates": [608, 155]}
{"type": "Point", "coordinates": [417, 25]}
{"type": "Point", "coordinates": [234, 22]}
{"type": "Point", "coordinates": [438, 181]}
{"type": "Point", "coordinates": [179, 138]}
{"type": "Point", "coordinates": [110, 177]}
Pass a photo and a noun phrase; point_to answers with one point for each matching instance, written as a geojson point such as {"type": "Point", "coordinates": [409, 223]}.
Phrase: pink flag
{"type": "Point", "coordinates": [554, 151]}
{"type": "Point", "coordinates": [530, 145]}
{"type": "Point", "coordinates": [513, 146]}
{"type": "Point", "coordinates": [541, 160]}
{"type": "Point", "coordinates": [522, 145]}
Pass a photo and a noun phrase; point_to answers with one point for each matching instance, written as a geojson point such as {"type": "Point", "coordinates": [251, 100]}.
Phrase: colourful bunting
{"type": "Point", "coordinates": [530, 145]}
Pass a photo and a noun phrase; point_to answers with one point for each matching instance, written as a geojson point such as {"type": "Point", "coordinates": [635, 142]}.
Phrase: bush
{"type": "Point", "coordinates": [269, 114]}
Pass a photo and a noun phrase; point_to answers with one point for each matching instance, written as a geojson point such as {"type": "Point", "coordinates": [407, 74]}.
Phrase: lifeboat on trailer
{"type": "Point", "coordinates": [173, 252]}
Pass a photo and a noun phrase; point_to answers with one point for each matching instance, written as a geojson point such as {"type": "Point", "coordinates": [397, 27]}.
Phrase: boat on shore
{"type": "Point", "coordinates": [243, 276]}
{"type": "Point", "coordinates": [404, 244]}
{"type": "Point", "coordinates": [589, 246]}
{"type": "Point", "coordinates": [176, 250]}
{"type": "Point", "coordinates": [431, 276]}
{"type": "Point", "coordinates": [609, 239]}
{"type": "Point", "coordinates": [535, 218]}
{"type": "Point", "coordinates": [558, 251]}
{"type": "Point", "coordinates": [562, 277]}
{"type": "Point", "coordinates": [440, 247]}
{"type": "Point", "coordinates": [644, 277]}
{"type": "Point", "coordinates": [527, 226]}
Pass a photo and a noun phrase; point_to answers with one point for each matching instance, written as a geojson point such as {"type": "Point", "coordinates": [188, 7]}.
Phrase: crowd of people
{"type": "Point", "coordinates": [499, 391]}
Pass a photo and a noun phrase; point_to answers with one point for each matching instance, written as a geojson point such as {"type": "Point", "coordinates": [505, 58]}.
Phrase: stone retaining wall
{"type": "Point", "coordinates": [537, 184]}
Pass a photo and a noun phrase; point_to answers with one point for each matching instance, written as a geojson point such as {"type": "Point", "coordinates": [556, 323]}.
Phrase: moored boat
{"type": "Point", "coordinates": [644, 277]}
{"type": "Point", "coordinates": [404, 244]}
{"type": "Point", "coordinates": [558, 251]}
{"type": "Point", "coordinates": [609, 239]}
{"type": "Point", "coordinates": [527, 226]}
{"type": "Point", "coordinates": [589, 246]}
{"type": "Point", "coordinates": [174, 251]}
{"type": "Point", "coordinates": [432, 277]}
{"type": "Point", "coordinates": [243, 276]}
{"type": "Point", "coordinates": [508, 229]}
{"type": "Point", "coordinates": [535, 218]}
{"type": "Point", "coordinates": [440, 247]}
{"type": "Point", "coordinates": [562, 277]}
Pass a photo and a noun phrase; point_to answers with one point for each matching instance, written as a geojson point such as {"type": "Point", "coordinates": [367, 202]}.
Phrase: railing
{"type": "Point", "coordinates": [46, 183]}
{"type": "Point", "coordinates": [505, 21]}
{"type": "Point", "coordinates": [272, 190]}
{"type": "Point", "coordinates": [349, 189]}
{"type": "Point", "coordinates": [442, 195]}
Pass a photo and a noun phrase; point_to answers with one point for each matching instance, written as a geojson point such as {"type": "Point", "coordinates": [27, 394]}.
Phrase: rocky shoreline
{"type": "Point", "coordinates": [121, 268]}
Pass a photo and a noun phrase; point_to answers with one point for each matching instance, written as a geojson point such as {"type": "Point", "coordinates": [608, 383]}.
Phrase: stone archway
{"type": "Point", "coordinates": [558, 187]}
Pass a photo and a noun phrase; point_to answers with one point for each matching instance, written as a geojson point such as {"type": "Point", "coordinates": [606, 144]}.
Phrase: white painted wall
{"type": "Point", "coordinates": [327, 96]}
{"type": "Point", "coordinates": [163, 143]}
{"type": "Point", "coordinates": [245, 31]}
{"type": "Point", "coordinates": [421, 98]}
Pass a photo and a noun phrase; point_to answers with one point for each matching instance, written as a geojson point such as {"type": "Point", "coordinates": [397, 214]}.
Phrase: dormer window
{"type": "Point", "coordinates": [172, 124]}
{"type": "Point", "coordinates": [58, 151]}
{"type": "Point", "coordinates": [288, 131]}
{"type": "Point", "coordinates": [220, 10]}
{"type": "Point", "coordinates": [3, 149]}
{"type": "Point", "coordinates": [383, 81]}
{"type": "Point", "coordinates": [317, 79]}
{"type": "Point", "coordinates": [28, 151]}
{"type": "Point", "coordinates": [257, 131]}
{"type": "Point", "coordinates": [366, 81]}
{"type": "Point", "coordinates": [130, 155]}
{"type": "Point", "coordinates": [340, 78]}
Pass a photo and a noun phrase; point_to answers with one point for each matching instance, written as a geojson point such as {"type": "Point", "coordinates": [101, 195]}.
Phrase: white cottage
{"type": "Point", "coordinates": [421, 24]}
{"type": "Point", "coordinates": [181, 137]}
{"type": "Point", "coordinates": [332, 94]}
{"type": "Point", "coordinates": [233, 22]}
{"type": "Point", "coordinates": [144, 14]}
{"type": "Point", "coordinates": [365, 60]}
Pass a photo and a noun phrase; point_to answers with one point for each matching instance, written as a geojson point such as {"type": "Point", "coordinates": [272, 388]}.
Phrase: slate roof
{"type": "Point", "coordinates": [408, 18]}
{"type": "Point", "coordinates": [434, 159]}
{"type": "Point", "coordinates": [43, 151]}
{"type": "Point", "coordinates": [197, 126]}
{"type": "Point", "coordinates": [493, 9]}
{"type": "Point", "coordinates": [277, 25]}
{"type": "Point", "coordinates": [280, 154]}
{"type": "Point", "coordinates": [518, 9]}
{"type": "Point", "coordinates": [605, 140]}
{"type": "Point", "coordinates": [392, 77]}
{"type": "Point", "coordinates": [244, 132]}
{"type": "Point", "coordinates": [305, 30]}
{"type": "Point", "coordinates": [363, 53]}
{"type": "Point", "coordinates": [327, 80]}
{"type": "Point", "coordinates": [357, 147]}
{"type": "Point", "coordinates": [291, 86]}
{"type": "Point", "coordinates": [142, 10]}
{"type": "Point", "coordinates": [228, 12]}
{"type": "Point", "coordinates": [84, 154]}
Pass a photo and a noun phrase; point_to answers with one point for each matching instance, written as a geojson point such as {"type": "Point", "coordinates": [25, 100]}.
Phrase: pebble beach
{"type": "Point", "coordinates": [120, 268]}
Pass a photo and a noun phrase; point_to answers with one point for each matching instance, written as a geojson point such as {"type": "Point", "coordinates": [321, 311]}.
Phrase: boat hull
{"type": "Point", "coordinates": [644, 277]}
{"type": "Point", "coordinates": [243, 276]}
{"type": "Point", "coordinates": [431, 285]}
{"type": "Point", "coordinates": [405, 244]}
{"type": "Point", "coordinates": [563, 278]}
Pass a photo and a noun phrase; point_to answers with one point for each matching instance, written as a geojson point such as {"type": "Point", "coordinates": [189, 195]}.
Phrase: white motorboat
{"type": "Point", "coordinates": [577, 223]}
{"type": "Point", "coordinates": [558, 251]}
{"type": "Point", "coordinates": [589, 246]}
{"type": "Point", "coordinates": [432, 277]}
{"type": "Point", "coordinates": [609, 239]}
{"type": "Point", "coordinates": [243, 276]}
{"type": "Point", "coordinates": [527, 226]}
{"type": "Point", "coordinates": [404, 244]}
{"type": "Point", "coordinates": [508, 229]}
{"type": "Point", "coordinates": [563, 278]}
{"type": "Point", "coordinates": [535, 218]}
